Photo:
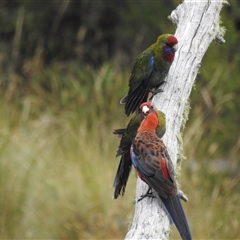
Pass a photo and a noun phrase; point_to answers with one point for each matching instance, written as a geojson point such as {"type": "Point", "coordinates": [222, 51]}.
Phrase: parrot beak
{"type": "Point", "coordinates": [175, 47]}
{"type": "Point", "coordinates": [145, 110]}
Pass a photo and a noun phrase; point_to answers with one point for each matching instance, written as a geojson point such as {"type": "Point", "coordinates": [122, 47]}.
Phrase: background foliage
{"type": "Point", "coordinates": [64, 66]}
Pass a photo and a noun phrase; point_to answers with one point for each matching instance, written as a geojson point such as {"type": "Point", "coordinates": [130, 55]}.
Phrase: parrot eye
{"type": "Point", "coordinates": [168, 44]}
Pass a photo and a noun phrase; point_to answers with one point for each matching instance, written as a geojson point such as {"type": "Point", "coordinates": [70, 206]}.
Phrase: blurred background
{"type": "Point", "coordinates": [64, 66]}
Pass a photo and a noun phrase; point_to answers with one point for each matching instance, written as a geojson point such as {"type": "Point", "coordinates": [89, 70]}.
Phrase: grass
{"type": "Point", "coordinates": [57, 158]}
{"type": "Point", "coordinates": [56, 181]}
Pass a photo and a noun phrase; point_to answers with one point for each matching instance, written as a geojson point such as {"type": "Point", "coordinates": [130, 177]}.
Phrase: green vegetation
{"type": "Point", "coordinates": [57, 153]}
{"type": "Point", "coordinates": [58, 164]}
{"type": "Point", "coordinates": [58, 161]}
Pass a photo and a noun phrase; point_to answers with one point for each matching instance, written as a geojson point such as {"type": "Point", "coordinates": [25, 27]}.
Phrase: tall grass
{"type": "Point", "coordinates": [57, 158]}
{"type": "Point", "coordinates": [56, 181]}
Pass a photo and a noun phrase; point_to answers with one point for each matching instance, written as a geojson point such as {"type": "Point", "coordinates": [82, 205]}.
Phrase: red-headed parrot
{"type": "Point", "coordinates": [149, 71]}
{"type": "Point", "coordinates": [152, 162]}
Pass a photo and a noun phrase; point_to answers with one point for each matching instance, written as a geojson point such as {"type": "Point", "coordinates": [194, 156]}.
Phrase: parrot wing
{"type": "Point", "coordinates": [142, 70]}
{"type": "Point", "coordinates": [139, 81]}
{"type": "Point", "coordinates": [154, 164]}
{"type": "Point", "coordinates": [128, 135]}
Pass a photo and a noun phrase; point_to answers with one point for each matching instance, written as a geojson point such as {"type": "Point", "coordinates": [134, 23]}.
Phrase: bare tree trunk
{"type": "Point", "coordinates": [197, 26]}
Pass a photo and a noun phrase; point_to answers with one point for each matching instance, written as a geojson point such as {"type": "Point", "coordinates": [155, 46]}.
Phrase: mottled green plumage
{"type": "Point", "coordinates": [149, 71]}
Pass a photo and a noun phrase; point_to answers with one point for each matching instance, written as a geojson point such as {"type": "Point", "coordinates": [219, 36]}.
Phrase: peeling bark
{"type": "Point", "coordinates": [197, 26]}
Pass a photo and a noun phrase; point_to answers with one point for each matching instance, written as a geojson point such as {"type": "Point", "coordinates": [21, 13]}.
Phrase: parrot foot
{"type": "Point", "coordinates": [156, 91]}
{"type": "Point", "coordinates": [149, 193]}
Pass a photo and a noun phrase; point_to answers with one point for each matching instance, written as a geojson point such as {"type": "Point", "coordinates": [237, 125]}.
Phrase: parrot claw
{"type": "Point", "coordinates": [156, 91]}
{"type": "Point", "coordinates": [149, 193]}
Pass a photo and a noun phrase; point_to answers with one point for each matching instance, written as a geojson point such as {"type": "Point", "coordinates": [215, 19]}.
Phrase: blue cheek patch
{"type": "Point", "coordinates": [168, 51]}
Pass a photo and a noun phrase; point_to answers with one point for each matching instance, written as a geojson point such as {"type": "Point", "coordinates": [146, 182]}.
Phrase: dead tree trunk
{"type": "Point", "coordinates": [197, 26]}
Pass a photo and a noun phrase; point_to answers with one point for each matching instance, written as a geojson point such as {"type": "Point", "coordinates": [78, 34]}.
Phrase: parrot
{"type": "Point", "coordinates": [127, 136]}
{"type": "Point", "coordinates": [149, 71]}
{"type": "Point", "coordinates": [152, 162]}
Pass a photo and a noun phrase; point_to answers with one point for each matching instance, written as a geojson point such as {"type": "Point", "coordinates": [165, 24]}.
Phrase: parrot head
{"type": "Point", "coordinates": [150, 123]}
{"type": "Point", "coordinates": [168, 45]}
{"type": "Point", "coordinates": [146, 108]}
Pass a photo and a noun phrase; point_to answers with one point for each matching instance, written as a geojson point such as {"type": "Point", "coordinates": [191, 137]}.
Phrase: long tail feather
{"type": "Point", "coordinates": [176, 212]}
{"type": "Point", "coordinates": [122, 175]}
